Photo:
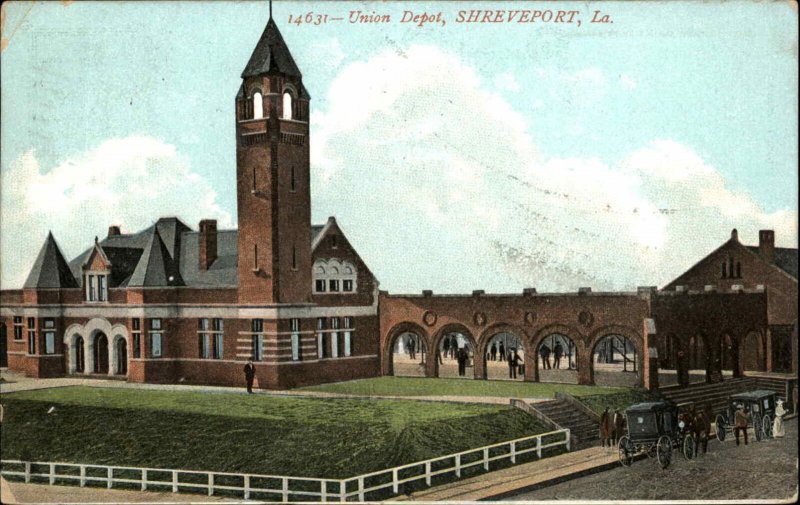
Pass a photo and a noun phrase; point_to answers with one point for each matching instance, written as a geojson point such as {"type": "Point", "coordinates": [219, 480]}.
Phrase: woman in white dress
{"type": "Point", "coordinates": [777, 425]}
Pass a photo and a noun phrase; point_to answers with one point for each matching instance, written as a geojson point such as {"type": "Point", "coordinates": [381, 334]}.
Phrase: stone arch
{"type": "Point", "coordinates": [753, 351]}
{"type": "Point", "coordinates": [114, 355]}
{"type": "Point", "coordinates": [87, 332]}
{"type": "Point", "coordinates": [489, 333]}
{"type": "Point", "coordinates": [76, 350]}
{"type": "Point", "coordinates": [438, 340]}
{"type": "Point", "coordinates": [391, 337]}
{"type": "Point", "coordinates": [631, 335]}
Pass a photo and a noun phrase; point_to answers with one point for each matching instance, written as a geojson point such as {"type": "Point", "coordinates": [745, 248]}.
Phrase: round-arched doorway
{"type": "Point", "coordinates": [100, 353]}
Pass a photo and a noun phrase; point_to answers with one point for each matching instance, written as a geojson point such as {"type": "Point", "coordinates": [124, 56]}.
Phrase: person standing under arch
{"type": "Point", "coordinates": [513, 363]}
{"type": "Point", "coordinates": [558, 351]}
{"type": "Point", "coordinates": [544, 352]}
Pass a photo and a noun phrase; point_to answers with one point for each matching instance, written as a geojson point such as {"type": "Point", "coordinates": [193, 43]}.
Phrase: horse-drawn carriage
{"type": "Point", "coordinates": [760, 408]}
{"type": "Point", "coordinates": [655, 429]}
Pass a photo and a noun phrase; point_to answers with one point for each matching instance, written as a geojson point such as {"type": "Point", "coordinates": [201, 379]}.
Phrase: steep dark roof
{"type": "Point", "coordinates": [272, 54]}
{"type": "Point", "coordinates": [156, 266]}
{"type": "Point", "coordinates": [316, 229]}
{"type": "Point", "coordinates": [222, 273]}
{"type": "Point", "coordinates": [50, 270]}
{"type": "Point", "coordinates": [785, 259]}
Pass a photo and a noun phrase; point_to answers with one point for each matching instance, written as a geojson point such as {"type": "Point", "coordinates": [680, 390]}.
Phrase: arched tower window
{"type": "Point", "coordinates": [738, 270]}
{"type": "Point", "coordinates": [287, 105]}
{"type": "Point", "coordinates": [258, 106]}
{"type": "Point", "coordinates": [724, 270]}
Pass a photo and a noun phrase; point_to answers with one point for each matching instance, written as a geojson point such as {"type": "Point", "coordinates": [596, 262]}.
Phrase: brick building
{"type": "Point", "coordinates": [174, 304]}
{"type": "Point", "coordinates": [169, 303]}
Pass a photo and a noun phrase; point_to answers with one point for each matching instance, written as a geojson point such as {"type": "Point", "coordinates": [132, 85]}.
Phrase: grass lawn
{"type": "Point", "coordinates": [413, 386]}
{"type": "Point", "coordinates": [332, 438]}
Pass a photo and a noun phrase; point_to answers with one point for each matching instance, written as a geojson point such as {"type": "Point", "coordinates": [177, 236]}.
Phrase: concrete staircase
{"type": "Point", "coordinates": [581, 426]}
{"type": "Point", "coordinates": [717, 394]}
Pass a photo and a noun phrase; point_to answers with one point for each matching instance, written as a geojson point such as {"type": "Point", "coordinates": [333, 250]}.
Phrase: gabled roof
{"type": "Point", "coordinates": [156, 267]}
{"type": "Point", "coordinates": [272, 54]}
{"type": "Point", "coordinates": [50, 270]}
{"type": "Point", "coordinates": [785, 259]}
{"type": "Point", "coordinates": [319, 232]}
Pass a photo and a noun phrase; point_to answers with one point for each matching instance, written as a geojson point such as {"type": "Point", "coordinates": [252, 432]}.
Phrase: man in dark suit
{"type": "Point", "coordinates": [513, 363]}
{"type": "Point", "coordinates": [249, 375]}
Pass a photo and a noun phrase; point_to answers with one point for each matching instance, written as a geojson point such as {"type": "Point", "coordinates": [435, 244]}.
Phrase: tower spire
{"type": "Point", "coordinates": [270, 9]}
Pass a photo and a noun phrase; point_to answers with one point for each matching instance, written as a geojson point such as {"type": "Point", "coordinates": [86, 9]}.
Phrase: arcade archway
{"type": "Point", "coordinates": [557, 359]}
{"type": "Point", "coordinates": [100, 353]}
{"type": "Point", "coordinates": [615, 361]}
{"type": "Point", "coordinates": [456, 347]}
{"type": "Point", "coordinates": [500, 360]}
{"type": "Point", "coordinates": [409, 355]}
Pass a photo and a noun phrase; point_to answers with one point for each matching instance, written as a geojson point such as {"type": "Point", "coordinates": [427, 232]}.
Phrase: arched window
{"type": "Point", "coordinates": [334, 276]}
{"type": "Point", "coordinates": [724, 270]}
{"type": "Point", "coordinates": [287, 105]}
{"type": "Point", "coordinates": [258, 106]}
{"type": "Point", "coordinates": [738, 270]}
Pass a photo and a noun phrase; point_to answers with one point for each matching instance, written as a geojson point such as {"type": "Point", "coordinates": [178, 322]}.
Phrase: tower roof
{"type": "Point", "coordinates": [271, 53]}
{"type": "Point", "coordinates": [50, 270]}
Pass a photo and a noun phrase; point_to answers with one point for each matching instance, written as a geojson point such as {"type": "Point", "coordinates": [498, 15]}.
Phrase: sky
{"type": "Point", "coordinates": [455, 156]}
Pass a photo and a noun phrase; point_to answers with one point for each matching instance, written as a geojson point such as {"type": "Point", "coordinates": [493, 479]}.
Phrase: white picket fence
{"type": "Point", "coordinates": [305, 488]}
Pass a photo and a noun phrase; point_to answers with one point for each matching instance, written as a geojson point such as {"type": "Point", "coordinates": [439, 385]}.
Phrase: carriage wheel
{"type": "Point", "coordinates": [758, 429]}
{"type": "Point", "coordinates": [766, 427]}
{"type": "Point", "coordinates": [689, 448]}
{"type": "Point", "coordinates": [664, 451]}
{"type": "Point", "coordinates": [720, 428]}
{"type": "Point", "coordinates": [625, 449]}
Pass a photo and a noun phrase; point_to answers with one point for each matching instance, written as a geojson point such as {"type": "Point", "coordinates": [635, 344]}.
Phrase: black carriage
{"type": "Point", "coordinates": [655, 429]}
{"type": "Point", "coordinates": [760, 409]}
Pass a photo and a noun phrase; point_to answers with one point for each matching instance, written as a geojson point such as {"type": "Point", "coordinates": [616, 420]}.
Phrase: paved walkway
{"type": "Point", "coordinates": [15, 383]}
{"type": "Point", "coordinates": [19, 492]}
{"type": "Point", "coordinates": [536, 473]}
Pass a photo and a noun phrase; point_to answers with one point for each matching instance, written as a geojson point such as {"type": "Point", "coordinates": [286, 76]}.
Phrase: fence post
{"type": "Point", "coordinates": [144, 479]}
{"type": "Point", "coordinates": [323, 491]}
{"type": "Point", "coordinates": [361, 488]}
{"type": "Point", "coordinates": [395, 485]}
{"type": "Point", "coordinates": [285, 488]}
{"type": "Point", "coordinates": [246, 487]}
{"type": "Point", "coordinates": [210, 484]}
{"type": "Point", "coordinates": [83, 476]}
{"type": "Point", "coordinates": [110, 477]}
{"type": "Point", "coordinates": [514, 452]}
{"type": "Point", "coordinates": [486, 459]}
{"type": "Point", "coordinates": [539, 447]}
{"type": "Point", "coordinates": [428, 473]}
{"type": "Point", "coordinates": [52, 474]}
{"type": "Point", "coordinates": [27, 471]}
{"type": "Point", "coordinates": [458, 465]}
{"type": "Point", "coordinates": [174, 481]}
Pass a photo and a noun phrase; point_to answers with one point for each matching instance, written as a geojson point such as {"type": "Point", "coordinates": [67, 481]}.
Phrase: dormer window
{"type": "Point", "coordinates": [96, 287]}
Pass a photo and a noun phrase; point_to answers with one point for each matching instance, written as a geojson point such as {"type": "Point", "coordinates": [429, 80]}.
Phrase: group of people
{"type": "Point", "coordinates": [498, 352]}
{"type": "Point", "coordinates": [558, 353]}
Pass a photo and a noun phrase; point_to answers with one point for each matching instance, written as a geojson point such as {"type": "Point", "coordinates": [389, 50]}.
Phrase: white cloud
{"type": "Point", "coordinates": [437, 182]}
{"type": "Point", "coordinates": [506, 81]}
{"type": "Point", "coordinates": [627, 82]}
{"type": "Point", "coordinates": [130, 182]}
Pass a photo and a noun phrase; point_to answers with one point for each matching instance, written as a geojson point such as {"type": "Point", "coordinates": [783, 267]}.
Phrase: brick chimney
{"type": "Point", "coordinates": [766, 245]}
{"type": "Point", "coordinates": [207, 243]}
{"type": "Point", "coordinates": [113, 230]}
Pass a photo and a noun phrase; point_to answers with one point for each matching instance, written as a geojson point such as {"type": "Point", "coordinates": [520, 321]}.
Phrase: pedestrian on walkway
{"type": "Point", "coordinates": [702, 429]}
{"type": "Point", "coordinates": [558, 351]}
{"type": "Point", "coordinates": [502, 352]}
{"type": "Point", "coordinates": [249, 375]}
{"type": "Point", "coordinates": [513, 363]}
{"type": "Point", "coordinates": [493, 351]}
{"type": "Point", "coordinates": [777, 426]}
{"type": "Point", "coordinates": [545, 353]}
{"type": "Point", "coordinates": [740, 423]}
{"type": "Point", "coordinates": [446, 345]}
{"type": "Point", "coordinates": [412, 348]}
{"type": "Point", "coordinates": [606, 427]}
{"type": "Point", "coordinates": [462, 362]}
